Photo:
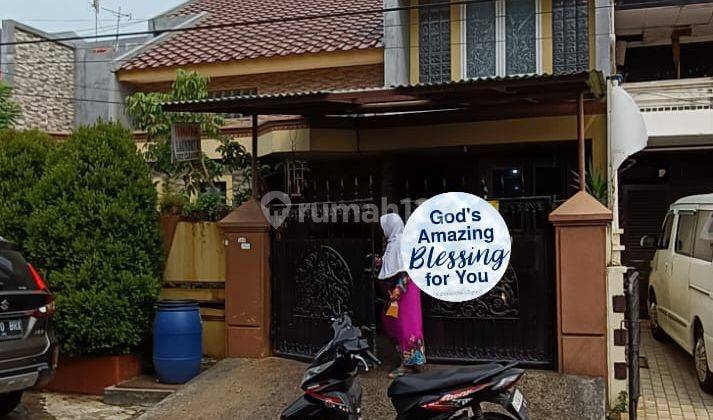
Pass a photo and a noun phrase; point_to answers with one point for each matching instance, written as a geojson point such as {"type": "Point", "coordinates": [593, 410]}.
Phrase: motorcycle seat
{"type": "Point", "coordinates": [423, 383]}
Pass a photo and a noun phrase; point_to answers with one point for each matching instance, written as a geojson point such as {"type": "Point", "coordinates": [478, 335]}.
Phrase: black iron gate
{"type": "Point", "coordinates": [321, 267]}
{"type": "Point", "coordinates": [515, 320]}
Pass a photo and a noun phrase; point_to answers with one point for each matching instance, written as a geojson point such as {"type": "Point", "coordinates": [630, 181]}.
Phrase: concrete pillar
{"type": "Point", "coordinates": [396, 43]}
{"type": "Point", "coordinates": [247, 281]}
{"type": "Point", "coordinates": [581, 245]}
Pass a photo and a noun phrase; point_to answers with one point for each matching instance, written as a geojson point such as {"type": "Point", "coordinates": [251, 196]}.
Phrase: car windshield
{"type": "Point", "coordinates": [14, 272]}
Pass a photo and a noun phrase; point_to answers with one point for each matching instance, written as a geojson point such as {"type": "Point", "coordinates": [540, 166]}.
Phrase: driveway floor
{"type": "Point", "coordinates": [50, 406]}
{"type": "Point", "coordinates": [261, 389]}
{"type": "Point", "coordinates": [669, 386]}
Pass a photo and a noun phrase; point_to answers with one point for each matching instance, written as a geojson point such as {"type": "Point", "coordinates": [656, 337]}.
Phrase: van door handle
{"type": "Point", "coordinates": [669, 268]}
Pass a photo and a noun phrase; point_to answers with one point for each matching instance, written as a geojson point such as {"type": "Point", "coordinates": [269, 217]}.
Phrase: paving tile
{"type": "Point", "coordinates": [669, 389]}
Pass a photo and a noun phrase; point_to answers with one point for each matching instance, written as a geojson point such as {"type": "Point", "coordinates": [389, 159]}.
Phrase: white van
{"type": "Point", "coordinates": [681, 281]}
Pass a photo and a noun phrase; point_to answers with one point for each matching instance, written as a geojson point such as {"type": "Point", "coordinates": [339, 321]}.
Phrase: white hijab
{"type": "Point", "coordinates": [392, 263]}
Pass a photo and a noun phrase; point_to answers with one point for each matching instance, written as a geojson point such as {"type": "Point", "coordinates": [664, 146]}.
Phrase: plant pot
{"type": "Point", "coordinates": [168, 224]}
{"type": "Point", "coordinates": [90, 375]}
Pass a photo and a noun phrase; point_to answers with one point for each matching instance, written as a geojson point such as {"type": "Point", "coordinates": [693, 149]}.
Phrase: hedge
{"type": "Point", "coordinates": [95, 232]}
{"type": "Point", "coordinates": [22, 162]}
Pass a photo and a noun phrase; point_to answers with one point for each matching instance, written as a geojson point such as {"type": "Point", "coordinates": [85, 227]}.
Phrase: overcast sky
{"type": "Point", "coordinates": [78, 15]}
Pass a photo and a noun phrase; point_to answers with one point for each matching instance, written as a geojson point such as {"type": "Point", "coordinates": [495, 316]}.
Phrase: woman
{"type": "Point", "coordinates": [406, 328]}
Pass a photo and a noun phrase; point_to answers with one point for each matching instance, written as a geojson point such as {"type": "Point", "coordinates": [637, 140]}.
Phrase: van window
{"type": "Point", "coordinates": [665, 237]}
{"type": "Point", "coordinates": [685, 233]}
{"type": "Point", "coordinates": [703, 246]}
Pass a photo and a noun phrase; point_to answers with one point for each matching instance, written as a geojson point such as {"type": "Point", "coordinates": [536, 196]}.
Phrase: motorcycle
{"type": "Point", "coordinates": [332, 392]}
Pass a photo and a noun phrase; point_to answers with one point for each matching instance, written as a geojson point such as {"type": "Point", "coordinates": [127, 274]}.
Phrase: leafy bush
{"type": "Point", "coordinates": [22, 162]}
{"type": "Point", "coordinates": [173, 203]}
{"type": "Point", "coordinates": [186, 177]}
{"type": "Point", "coordinates": [10, 110]}
{"type": "Point", "coordinates": [208, 207]}
{"type": "Point", "coordinates": [95, 231]}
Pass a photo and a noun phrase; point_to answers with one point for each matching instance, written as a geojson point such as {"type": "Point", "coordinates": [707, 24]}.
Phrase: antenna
{"type": "Point", "coordinates": [95, 5]}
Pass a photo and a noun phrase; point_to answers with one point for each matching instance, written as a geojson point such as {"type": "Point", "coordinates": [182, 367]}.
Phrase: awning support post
{"type": "Point", "coordinates": [580, 142]}
{"type": "Point", "coordinates": [253, 155]}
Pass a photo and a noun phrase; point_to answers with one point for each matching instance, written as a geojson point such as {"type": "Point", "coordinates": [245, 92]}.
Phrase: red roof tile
{"type": "Point", "coordinates": [264, 40]}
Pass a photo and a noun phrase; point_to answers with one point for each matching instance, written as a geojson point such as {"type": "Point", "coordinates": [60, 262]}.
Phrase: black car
{"type": "Point", "coordinates": [28, 354]}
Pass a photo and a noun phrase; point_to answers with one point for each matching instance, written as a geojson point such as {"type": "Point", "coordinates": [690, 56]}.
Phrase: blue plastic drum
{"type": "Point", "coordinates": [177, 341]}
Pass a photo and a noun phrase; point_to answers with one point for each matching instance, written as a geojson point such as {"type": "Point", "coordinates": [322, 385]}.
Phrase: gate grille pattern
{"type": "Point", "coordinates": [515, 320]}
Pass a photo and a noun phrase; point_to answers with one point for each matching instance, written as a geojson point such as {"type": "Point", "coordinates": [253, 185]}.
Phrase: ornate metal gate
{"type": "Point", "coordinates": [321, 266]}
{"type": "Point", "coordinates": [515, 320]}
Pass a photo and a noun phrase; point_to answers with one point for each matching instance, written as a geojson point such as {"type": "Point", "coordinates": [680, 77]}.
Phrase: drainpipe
{"type": "Point", "coordinates": [580, 142]}
{"type": "Point", "coordinates": [253, 162]}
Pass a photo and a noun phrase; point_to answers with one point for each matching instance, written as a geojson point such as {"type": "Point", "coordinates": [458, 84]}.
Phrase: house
{"type": "Point", "coordinates": [70, 78]}
{"type": "Point", "coordinates": [504, 99]}
{"type": "Point", "coordinates": [663, 53]}
{"type": "Point", "coordinates": [384, 103]}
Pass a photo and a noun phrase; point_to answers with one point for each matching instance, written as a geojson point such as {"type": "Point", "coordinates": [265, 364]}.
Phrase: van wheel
{"type": "Point", "coordinates": [700, 357]}
{"type": "Point", "coordinates": [656, 330]}
{"type": "Point", "coordinates": [9, 401]}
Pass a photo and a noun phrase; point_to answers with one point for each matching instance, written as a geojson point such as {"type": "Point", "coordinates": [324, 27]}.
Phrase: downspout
{"type": "Point", "coordinates": [581, 149]}
{"type": "Point", "coordinates": [253, 162]}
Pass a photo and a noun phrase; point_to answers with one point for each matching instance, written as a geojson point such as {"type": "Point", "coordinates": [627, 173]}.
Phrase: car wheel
{"type": "Point", "coordinates": [700, 357]}
{"type": "Point", "coordinates": [9, 402]}
{"type": "Point", "coordinates": [656, 330]}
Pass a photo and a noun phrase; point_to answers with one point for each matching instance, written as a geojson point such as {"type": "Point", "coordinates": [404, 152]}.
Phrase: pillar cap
{"type": "Point", "coordinates": [581, 209]}
{"type": "Point", "coordinates": [248, 216]}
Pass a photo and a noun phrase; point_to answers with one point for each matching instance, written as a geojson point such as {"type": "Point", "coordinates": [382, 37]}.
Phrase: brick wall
{"type": "Point", "coordinates": [42, 79]}
{"type": "Point", "coordinates": [294, 81]}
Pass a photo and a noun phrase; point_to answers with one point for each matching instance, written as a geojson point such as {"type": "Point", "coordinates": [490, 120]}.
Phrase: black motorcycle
{"type": "Point", "coordinates": [331, 391]}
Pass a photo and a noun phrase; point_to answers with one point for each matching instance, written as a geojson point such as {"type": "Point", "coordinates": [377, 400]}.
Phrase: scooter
{"type": "Point", "coordinates": [332, 392]}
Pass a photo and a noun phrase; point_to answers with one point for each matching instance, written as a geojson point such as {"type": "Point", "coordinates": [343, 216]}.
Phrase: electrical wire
{"type": "Point", "coordinates": [295, 30]}
{"type": "Point", "coordinates": [44, 79]}
{"type": "Point", "coordinates": [262, 22]}
{"type": "Point", "coordinates": [67, 98]}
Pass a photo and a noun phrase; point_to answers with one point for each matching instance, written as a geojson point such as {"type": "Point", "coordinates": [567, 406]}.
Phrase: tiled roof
{"type": "Point", "coordinates": [243, 41]}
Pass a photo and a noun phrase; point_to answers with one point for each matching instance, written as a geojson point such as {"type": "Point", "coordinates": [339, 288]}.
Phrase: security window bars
{"type": "Point", "coordinates": [501, 38]}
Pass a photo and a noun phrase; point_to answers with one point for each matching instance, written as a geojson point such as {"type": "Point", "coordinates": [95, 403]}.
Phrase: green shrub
{"type": "Point", "coordinates": [22, 162]}
{"type": "Point", "coordinates": [95, 231]}
{"type": "Point", "coordinates": [208, 207]}
{"type": "Point", "coordinates": [173, 203]}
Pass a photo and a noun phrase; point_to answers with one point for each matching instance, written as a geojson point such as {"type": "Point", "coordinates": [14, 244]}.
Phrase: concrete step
{"type": "Point", "coordinates": [114, 395]}
{"type": "Point", "coordinates": [142, 390]}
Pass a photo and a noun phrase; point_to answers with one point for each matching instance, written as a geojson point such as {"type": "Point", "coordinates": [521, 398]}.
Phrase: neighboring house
{"type": "Point", "coordinates": [62, 84]}
{"type": "Point", "coordinates": [664, 51]}
{"type": "Point", "coordinates": [303, 55]}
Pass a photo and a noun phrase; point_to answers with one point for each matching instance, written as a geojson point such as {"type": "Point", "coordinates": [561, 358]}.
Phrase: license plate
{"type": "Point", "coordinates": [10, 328]}
{"type": "Point", "coordinates": [519, 403]}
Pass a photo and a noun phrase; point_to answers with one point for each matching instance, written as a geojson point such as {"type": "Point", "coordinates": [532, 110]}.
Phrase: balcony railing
{"type": "Point", "coordinates": [673, 95]}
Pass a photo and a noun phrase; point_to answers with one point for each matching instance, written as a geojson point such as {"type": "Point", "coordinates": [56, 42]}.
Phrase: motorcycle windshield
{"type": "Point", "coordinates": [346, 340]}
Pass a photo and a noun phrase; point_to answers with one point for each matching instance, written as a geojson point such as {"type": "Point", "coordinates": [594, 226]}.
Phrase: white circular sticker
{"type": "Point", "coordinates": [456, 246]}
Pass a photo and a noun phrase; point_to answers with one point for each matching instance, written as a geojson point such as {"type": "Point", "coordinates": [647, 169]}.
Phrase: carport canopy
{"type": "Point", "coordinates": [483, 94]}
{"type": "Point", "coordinates": [467, 100]}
